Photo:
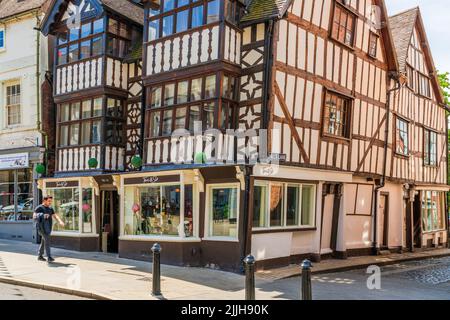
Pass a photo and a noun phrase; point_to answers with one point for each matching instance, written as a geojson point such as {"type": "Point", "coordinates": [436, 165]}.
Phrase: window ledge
{"type": "Point", "coordinates": [152, 238]}
{"type": "Point", "coordinates": [403, 156]}
{"type": "Point", "coordinates": [283, 230]}
{"type": "Point", "coordinates": [74, 234]}
{"type": "Point", "coordinates": [221, 239]}
{"type": "Point", "coordinates": [433, 231]}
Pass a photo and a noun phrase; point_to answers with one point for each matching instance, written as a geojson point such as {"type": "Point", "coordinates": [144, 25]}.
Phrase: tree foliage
{"type": "Point", "coordinates": [444, 80]}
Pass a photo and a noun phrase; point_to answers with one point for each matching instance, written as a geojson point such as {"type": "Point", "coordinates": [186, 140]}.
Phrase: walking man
{"type": "Point", "coordinates": [43, 215]}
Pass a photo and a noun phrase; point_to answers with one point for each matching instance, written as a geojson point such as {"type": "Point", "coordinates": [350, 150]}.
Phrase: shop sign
{"type": "Point", "coordinates": [61, 184]}
{"type": "Point", "coordinates": [152, 179]}
{"type": "Point", "coordinates": [278, 157]}
{"type": "Point", "coordinates": [14, 161]}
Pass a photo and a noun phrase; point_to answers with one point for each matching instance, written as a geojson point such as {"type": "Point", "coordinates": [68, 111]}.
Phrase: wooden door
{"type": "Point", "coordinates": [384, 221]}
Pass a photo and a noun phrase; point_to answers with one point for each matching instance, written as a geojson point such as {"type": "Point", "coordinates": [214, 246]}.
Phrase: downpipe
{"type": "Point", "coordinates": [382, 184]}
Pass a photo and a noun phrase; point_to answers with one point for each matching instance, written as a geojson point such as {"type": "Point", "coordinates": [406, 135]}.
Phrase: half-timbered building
{"type": "Point", "coordinates": [97, 91]}
{"type": "Point", "coordinates": [265, 127]}
{"type": "Point", "coordinates": [418, 137]}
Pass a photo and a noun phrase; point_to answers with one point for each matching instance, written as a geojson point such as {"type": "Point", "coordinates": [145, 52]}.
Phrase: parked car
{"type": "Point", "coordinates": [24, 211]}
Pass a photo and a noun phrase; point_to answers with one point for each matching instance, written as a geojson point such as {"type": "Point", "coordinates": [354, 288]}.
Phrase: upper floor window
{"type": "Point", "coordinates": [82, 43]}
{"type": "Point", "coordinates": [80, 122]}
{"type": "Point", "coordinates": [423, 85]}
{"type": "Point", "coordinates": [402, 137]}
{"type": "Point", "coordinates": [373, 44]}
{"type": "Point", "coordinates": [336, 114]}
{"type": "Point", "coordinates": [174, 16]}
{"type": "Point", "coordinates": [13, 98]}
{"type": "Point", "coordinates": [430, 146]}
{"type": "Point", "coordinates": [233, 11]}
{"type": "Point", "coordinates": [343, 29]}
{"type": "Point", "coordinates": [2, 39]}
{"type": "Point", "coordinates": [410, 74]}
{"type": "Point", "coordinates": [183, 104]}
{"type": "Point", "coordinates": [119, 38]}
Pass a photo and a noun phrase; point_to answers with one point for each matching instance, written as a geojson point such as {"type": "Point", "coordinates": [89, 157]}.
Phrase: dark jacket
{"type": "Point", "coordinates": [44, 226]}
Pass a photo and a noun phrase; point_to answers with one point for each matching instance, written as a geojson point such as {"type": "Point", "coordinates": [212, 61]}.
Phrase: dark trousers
{"type": "Point", "coordinates": [45, 244]}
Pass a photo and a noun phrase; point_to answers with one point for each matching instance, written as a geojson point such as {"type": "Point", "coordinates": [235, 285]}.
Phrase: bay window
{"type": "Point", "coordinates": [78, 44]}
{"type": "Point", "coordinates": [283, 205]}
{"type": "Point", "coordinates": [179, 105]}
{"type": "Point", "coordinates": [118, 38]}
{"type": "Point", "coordinates": [81, 122]}
{"type": "Point", "coordinates": [167, 17]}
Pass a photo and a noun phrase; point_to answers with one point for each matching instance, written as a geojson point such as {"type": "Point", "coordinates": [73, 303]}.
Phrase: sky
{"type": "Point", "coordinates": [436, 16]}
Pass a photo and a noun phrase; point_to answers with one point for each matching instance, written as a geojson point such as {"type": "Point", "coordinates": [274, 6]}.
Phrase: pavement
{"type": "Point", "coordinates": [334, 265]}
{"type": "Point", "coordinates": [105, 276]}
{"type": "Point", "coordinates": [13, 292]}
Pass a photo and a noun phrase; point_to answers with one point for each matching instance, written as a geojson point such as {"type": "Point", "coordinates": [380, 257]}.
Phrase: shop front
{"type": "Point", "coordinates": [75, 202]}
{"type": "Point", "coordinates": [430, 218]}
{"type": "Point", "coordinates": [17, 194]}
{"type": "Point", "coordinates": [194, 215]}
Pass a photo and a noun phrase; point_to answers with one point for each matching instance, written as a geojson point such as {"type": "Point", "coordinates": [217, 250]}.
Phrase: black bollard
{"type": "Point", "coordinates": [306, 280]}
{"type": "Point", "coordinates": [156, 290]}
{"type": "Point", "coordinates": [249, 265]}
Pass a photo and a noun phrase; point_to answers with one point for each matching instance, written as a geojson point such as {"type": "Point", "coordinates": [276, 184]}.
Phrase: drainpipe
{"type": "Point", "coordinates": [268, 72]}
{"type": "Point", "coordinates": [382, 184]}
{"type": "Point", "coordinates": [38, 96]}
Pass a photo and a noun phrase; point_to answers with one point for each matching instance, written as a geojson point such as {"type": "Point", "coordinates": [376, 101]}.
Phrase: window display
{"type": "Point", "coordinates": [156, 210]}
{"type": "Point", "coordinates": [24, 195]}
{"type": "Point", "coordinates": [66, 205]}
{"type": "Point", "coordinates": [224, 204]}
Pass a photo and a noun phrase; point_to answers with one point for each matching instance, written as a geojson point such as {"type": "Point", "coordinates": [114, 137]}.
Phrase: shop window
{"type": "Point", "coordinates": [343, 28]}
{"type": "Point", "coordinates": [87, 211]}
{"type": "Point", "coordinates": [224, 211]}
{"type": "Point", "coordinates": [66, 202]}
{"type": "Point", "coordinates": [433, 213]}
{"type": "Point", "coordinates": [402, 137]}
{"type": "Point", "coordinates": [430, 145]}
{"type": "Point", "coordinates": [24, 194]}
{"type": "Point", "coordinates": [259, 206]}
{"type": "Point", "coordinates": [336, 115]}
{"type": "Point", "coordinates": [283, 205]}
{"type": "Point", "coordinates": [156, 211]}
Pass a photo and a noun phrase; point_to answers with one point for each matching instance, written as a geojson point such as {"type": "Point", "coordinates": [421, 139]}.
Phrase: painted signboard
{"type": "Point", "coordinates": [14, 161]}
